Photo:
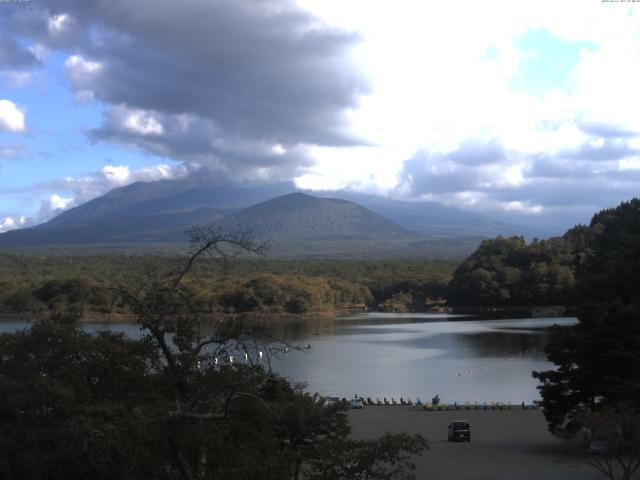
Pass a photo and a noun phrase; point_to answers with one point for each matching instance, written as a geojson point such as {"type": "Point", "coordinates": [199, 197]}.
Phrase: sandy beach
{"type": "Point", "coordinates": [505, 445]}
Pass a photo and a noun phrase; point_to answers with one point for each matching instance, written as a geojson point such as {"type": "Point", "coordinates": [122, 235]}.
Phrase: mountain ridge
{"type": "Point", "coordinates": [299, 215]}
{"type": "Point", "coordinates": [159, 212]}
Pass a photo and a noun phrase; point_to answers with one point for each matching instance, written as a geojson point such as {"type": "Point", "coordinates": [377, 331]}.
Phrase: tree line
{"type": "Point", "coordinates": [589, 262]}
{"type": "Point", "coordinates": [35, 285]}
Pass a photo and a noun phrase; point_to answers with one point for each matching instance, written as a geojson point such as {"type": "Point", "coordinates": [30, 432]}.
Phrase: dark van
{"type": "Point", "coordinates": [459, 431]}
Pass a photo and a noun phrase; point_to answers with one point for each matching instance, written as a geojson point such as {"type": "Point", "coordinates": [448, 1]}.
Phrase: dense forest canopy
{"type": "Point", "coordinates": [31, 285]}
{"type": "Point", "coordinates": [595, 262]}
{"type": "Point", "coordinates": [508, 271]}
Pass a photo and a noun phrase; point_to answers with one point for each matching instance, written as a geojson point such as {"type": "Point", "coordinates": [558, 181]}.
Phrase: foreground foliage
{"type": "Point", "coordinates": [598, 364]}
{"type": "Point", "coordinates": [172, 405]}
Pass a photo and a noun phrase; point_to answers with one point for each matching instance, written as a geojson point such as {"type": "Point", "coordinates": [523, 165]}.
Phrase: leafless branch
{"type": "Point", "coordinates": [205, 238]}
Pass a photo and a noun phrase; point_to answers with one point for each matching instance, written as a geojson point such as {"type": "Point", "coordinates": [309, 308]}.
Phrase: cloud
{"type": "Point", "coordinates": [83, 74]}
{"type": "Point", "coordinates": [15, 56]}
{"type": "Point", "coordinates": [11, 117]}
{"type": "Point", "coordinates": [16, 78]}
{"type": "Point", "coordinates": [484, 125]}
{"type": "Point", "coordinates": [525, 113]}
{"type": "Point", "coordinates": [11, 223]}
{"type": "Point", "coordinates": [198, 141]}
{"type": "Point", "coordinates": [225, 83]}
{"type": "Point", "coordinates": [517, 186]}
{"type": "Point", "coordinates": [469, 167]}
{"type": "Point", "coordinates": [10, 151]}
{"type": "Point", "coordinates": [69, 192]}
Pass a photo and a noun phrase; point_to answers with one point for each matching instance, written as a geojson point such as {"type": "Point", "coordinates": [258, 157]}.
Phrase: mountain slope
{"type": "Point", "coordinates": [298, 215]}
{"type": "Point", "coordinates": [170, 196]}
{"type": "Point", "coordinates": [159, 212]}
{"type": "Point", "coordinates": [435, 219]}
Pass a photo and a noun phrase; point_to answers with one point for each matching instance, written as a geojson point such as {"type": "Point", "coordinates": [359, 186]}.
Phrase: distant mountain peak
{"type": "Point", "coordinates": [300, 215]}
{"type": "Point", "coordinates": [159, 212]}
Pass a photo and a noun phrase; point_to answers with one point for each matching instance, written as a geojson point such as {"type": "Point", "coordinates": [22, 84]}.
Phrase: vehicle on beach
{"type": "Point", "coordinates": [357, 403]}
{"type": "Point", "coordinates": [459, 430]}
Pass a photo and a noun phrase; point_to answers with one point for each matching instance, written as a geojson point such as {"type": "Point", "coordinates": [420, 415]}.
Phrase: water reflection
{"type": "Point", "coordinates": [409, 355]}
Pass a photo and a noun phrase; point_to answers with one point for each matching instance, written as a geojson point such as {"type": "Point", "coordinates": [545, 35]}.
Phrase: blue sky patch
{"type": "Point", "coordinates": [548, 61]}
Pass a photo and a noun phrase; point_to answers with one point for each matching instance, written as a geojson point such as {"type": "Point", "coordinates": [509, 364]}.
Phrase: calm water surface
{"type": "Point", "coordinates": [410, 355]}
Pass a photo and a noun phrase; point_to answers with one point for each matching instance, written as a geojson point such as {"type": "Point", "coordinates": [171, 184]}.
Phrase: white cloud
{"type": "Point", "coordinates": [629, 163]}
{"type": "Point", "coordinates": [7, 224]}
{"type": "Point", "coordinates": [58, 23]}
{"type": "Point", "coordinates": [354, 168]}
{"type": "Point", "coordinates": [59, 203]}
{"type": "Point", "coordinates": [523, 207]}
{"type": "Point", "coordinates": [83, 74]}
{"type": "Point", "coordinates": [435, 88]}
{"type": "Point", "coordinates": [606, 87]}
{"type": "Point", "coordinates": [11, 117]}
{"type": "Point", "coordinates": [137, 121]}
{"type": "Point", "coordinates": [118, 175]}
{"type": "Point", "coordinates": [446, 75]}
{"type": "Point", "coordinates": [11, 223]}
{"type": "Point", "coordinates": [278, 149]}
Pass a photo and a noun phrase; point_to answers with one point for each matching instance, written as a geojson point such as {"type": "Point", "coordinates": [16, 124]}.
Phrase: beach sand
{"type": "Point", "coordinates": [505, 444]}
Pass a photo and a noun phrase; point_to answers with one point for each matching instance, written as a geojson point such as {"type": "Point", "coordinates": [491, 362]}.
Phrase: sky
{"type": "Point", "coordinates": [526, 111]}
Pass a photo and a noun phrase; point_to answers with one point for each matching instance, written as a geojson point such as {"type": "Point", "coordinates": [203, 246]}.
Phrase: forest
{"type": "Point", "coordinates": [34, 285]}
{"type": "Point", "coordinates": [502, 272]}
{"type": "Point", "coordinates": [591, 262]}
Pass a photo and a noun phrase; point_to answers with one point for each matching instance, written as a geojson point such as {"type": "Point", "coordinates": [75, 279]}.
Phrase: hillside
{"type": "Point", "coordinates": [598, 262]}
{"type": "Point", "coordinates": [298, 215]}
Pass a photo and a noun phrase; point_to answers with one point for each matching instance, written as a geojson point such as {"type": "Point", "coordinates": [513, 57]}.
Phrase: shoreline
{"type": "Point", "coordinates": [548, 311]}
{"type": "Point", "coordinates": [116, 317]}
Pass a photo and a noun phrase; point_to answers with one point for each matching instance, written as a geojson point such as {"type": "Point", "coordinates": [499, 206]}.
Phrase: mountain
{"type": "Point", "coordinates": [298, 215]}
{"type": "Point", "coordinates": [298, 225]}
{"type": "Point", "coordinates": [171, 196]}
{"type": "Point", "coordinates": [159, 213]}
{"type": "Point", "coordinates": [145, 212]}
{"type": "Point", "coordinates": [435, 219]}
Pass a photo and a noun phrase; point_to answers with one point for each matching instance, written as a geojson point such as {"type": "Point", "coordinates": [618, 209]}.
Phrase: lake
{"type": "Point", "coordinates": [410, 355]}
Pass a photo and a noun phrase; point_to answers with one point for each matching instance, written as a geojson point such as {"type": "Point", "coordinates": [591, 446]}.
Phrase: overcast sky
{"type": "Point", "coordinates": [524, 110]}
